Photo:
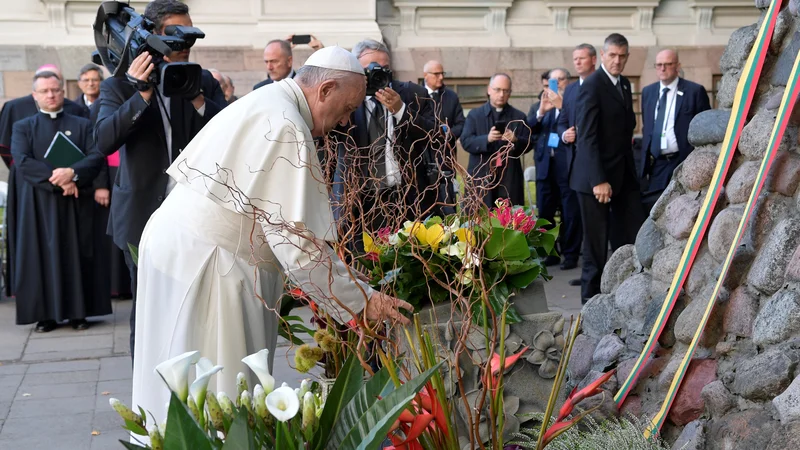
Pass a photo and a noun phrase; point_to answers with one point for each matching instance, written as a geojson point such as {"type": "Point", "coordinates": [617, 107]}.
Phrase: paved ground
{"type": "Point", "coordinates": [54, 387]}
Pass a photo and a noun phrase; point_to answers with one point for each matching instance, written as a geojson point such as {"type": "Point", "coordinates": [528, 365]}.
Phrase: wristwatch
{"type": "Point", "coordinates": [75, 177]}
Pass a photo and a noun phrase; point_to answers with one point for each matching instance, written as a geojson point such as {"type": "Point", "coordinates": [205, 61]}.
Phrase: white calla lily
{"type": "Point", "coordinates": [175, 372]}
{"type": "Point", "coordinates": [204, 369]}
{"type": "Point", "coordinates": [283, 404]}
{"type": "Point", "coordinates": [459, 250]}
{"type": "Point", "coordinates": [259, 364]}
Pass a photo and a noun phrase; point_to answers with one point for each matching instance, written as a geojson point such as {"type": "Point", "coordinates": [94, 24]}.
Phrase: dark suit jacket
{"type": "Point", "coordinates": [568, 119]}
{"type": "Point", "coordinates": [125, 122]}
{"type": "Point", "coordinates": [269, 81]}
{"type": "Point", "coordinates": [694, 100]}
{"type": "Point", "coordinates": [541, 129]}
{"type": "Point", "coordinates": [605, 123]}
{"type": "Point", "coordinates": [80, 101]}
{"type": "Point", "coordinates": [448, 111]}
{"type": "Point", "coordinates": [474, 139]}
{"type": "Point", "coordinates": [411, 133]}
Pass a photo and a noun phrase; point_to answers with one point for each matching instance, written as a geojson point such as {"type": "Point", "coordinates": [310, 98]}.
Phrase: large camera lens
{"type": "Point", "coordinates": [181, 79]}
{"type": "Point", "coordinates": [377, 78]}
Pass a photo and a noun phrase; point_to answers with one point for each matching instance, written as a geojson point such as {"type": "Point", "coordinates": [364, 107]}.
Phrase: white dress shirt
{"type": "Point", "coordinates": [392, 167]}
{"type": "Point", "coordinates": [614, 79]}
{"type": "Point", "coordinates": [672, 97]}
{"type": "Point", "coordinates": [86, 100]}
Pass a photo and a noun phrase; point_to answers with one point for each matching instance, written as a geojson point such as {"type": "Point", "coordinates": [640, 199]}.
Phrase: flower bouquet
{"type": "Point", "coordinates": [473, 263]}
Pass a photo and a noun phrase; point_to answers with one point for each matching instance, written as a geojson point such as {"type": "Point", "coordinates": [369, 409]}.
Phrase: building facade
{"type": "Point", "coordinates": [473, 38]}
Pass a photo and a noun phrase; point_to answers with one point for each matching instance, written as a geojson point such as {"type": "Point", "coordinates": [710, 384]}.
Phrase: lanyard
{"type": "Point", "coordinates": [666, 111]}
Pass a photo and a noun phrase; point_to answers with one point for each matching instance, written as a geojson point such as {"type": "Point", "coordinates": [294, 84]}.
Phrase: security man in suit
{"type": "Point", "coordinates": [149, 130]}
{"type": "Point", "coordinates": [603, 172]}
{"type": "Point", "coordinates": [668, 108]}
{"type": "Point", "coordinates": [449, 124]}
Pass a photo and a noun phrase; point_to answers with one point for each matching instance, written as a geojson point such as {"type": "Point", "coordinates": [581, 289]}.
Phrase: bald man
{"type": "Point", "coordinates": [278, 59]}
{"type": "Point", "coordinates": [449, 124]}
{"type": "Point", "coordinates": [668, 107]}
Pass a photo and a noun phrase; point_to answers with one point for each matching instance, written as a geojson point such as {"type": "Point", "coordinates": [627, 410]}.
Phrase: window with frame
{"type": "Point", "coordinates": [471, 91]}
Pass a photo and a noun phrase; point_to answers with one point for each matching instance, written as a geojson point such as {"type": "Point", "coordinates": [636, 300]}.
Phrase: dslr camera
{"type": "Point", "coordinates": [121, 34]}
{"type": "Point", "coordinates": [378, 77]}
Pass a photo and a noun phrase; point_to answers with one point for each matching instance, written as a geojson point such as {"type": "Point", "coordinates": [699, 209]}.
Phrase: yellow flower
{"type": "Point", "coordinates": [369, 244]}
{"type": "Point", "coordinates": [465, 235]}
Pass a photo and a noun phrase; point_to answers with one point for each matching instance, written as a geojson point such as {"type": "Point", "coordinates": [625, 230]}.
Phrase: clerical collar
{"type": "Point", "coordinates": [52, 114]}
{"type": "Point", "coordinates": [614, 79]}
{"type": "Point", "coordinates": [496, 109]}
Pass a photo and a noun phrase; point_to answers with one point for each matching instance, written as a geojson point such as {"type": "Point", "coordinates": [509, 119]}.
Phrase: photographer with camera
{"type": "Point", "coordinates": [390, 130]}
{"type": "Point", "coordinates": [142, 116]}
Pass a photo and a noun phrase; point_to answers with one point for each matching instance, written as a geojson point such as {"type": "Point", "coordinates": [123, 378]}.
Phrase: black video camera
{"type": "Point", "coordinates": [121, 34]}
{"type": "Point", "coordinates": [378, 77]}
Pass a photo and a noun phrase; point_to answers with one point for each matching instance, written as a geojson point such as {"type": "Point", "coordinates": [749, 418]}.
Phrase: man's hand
{"type": "Point", "coordinates": [494, 135]}
{"type": "Point", "coordinates": [102, 196]}
{"type": "Point", "coordinates": [140, 69]}
{"type": "Point", "coordinates": [62, 177]}
{"type": "Point", "coordinates": [70, 189]}
{"type": "Point", "coordinates": [315, 43]}
{"type": "Point", "coordinates": [390, 99]}
{"type": "Point", "coordinates": [384, 307]}
{"type": "Point", "coordinates": [602, 192]}
{"type": "Point", "coordinates": [544, 105]}
{"type": "Point", "coordinates": [569, 135]}
{"type": "Point", "coordinates": [554, 98]}
{"type": "Point", "coordinates": [198, 101]}
{"type": "Point", "coordinates": [509, 136]}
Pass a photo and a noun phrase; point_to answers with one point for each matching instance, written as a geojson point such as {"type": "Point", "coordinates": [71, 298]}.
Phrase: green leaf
{"type": "Point", "coordinates": [508, 245]}
{"type": "Point", "coordinates": [134, 428]}
{"type": "Point", "coordinates": [362, 401]}
{"type": "Point", "coordinates": [524, 279]}
{"type": "Point", "coordinates": [134, 253]}
{"type": "Point", "coordinates": [183, 432]}
{"type": "Point", "coordinates": [130, 445]}
{"type": "Point", "coordinates": [347, 384]}
{"type": "Point", "coordinates": [283, 437]}
{"type": "Point", "coordinates": [433, 221]}
{"type": "Point", "coordinates": [240, 436]}
{"type": "Point", "coordinates": [373, 424]}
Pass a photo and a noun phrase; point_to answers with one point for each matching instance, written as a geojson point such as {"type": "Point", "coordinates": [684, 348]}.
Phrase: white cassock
{"type": "Point", "coordinates": [223, 239]}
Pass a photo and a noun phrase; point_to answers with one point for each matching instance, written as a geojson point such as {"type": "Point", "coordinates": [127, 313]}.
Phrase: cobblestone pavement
{"type": "Point", "coordinates": [54, 387]}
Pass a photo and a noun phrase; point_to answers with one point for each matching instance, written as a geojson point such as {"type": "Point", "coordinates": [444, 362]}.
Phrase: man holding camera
{"type": "Point", "coordinates": [495, 136]}
{"type": "Point", "coordinates": [150, 130]}
{"type": "Point", "coordinates": [383, 181]}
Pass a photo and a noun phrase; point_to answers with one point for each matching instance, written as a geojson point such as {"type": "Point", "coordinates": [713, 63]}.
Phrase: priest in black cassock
{"type": "Point", "coordinates": [13, 111]}
{"type": "Point", "coordinates": [495, 136]}
{"type": "Point", "coordinates": [53, 260]}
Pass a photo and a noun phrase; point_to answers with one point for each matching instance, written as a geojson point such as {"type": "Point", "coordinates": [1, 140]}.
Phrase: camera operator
{"type": "Point", "coordinates": [390, 129]}
{"type": "Point", "coordinates": [150, 130]}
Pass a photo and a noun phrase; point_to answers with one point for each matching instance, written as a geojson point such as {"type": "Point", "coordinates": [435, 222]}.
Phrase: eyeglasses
{"type": "Point", "coordinates": [49, 91]}
{"type": "Point", "coordinates": [436, 74]}
{"type": "Point", "coordinates": [89, 80]}
{"type": "Point", "coordinates": [664, 65]}
{"type": "Point", "coordinates": [501, 91]}
{"type": "Point", "coordinates": [559, 78]}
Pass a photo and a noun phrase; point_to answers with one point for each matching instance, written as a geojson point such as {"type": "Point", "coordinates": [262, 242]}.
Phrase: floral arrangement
{"type": "Point", "coordinates": [356, 414]}
{"type": "Point", "coordinates": [446, 259]}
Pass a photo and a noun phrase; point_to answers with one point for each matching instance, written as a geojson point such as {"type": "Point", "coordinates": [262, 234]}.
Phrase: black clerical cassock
{"type": "Point", "coordinates": [53, 280]}
{"type": "Point", "coordinates": [13, 111]}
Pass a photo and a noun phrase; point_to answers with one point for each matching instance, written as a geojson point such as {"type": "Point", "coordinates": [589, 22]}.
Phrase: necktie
{"type": "Point", "coordinates": [658, 127]}
{"type": "Point", "coordinates": [437, 97]}
{"type": "Point", "coordinates": [376, 131]}
{"type": "Point", "coordinates": [619, 88]}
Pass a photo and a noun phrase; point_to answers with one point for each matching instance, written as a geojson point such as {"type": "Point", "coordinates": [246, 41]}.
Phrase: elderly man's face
{"type": "Point", "coordinates": [499, 91]}
{"type": "Point", "coordinates": [561, 78]}
{"type": "Point", "coordinates": [279, 64]}
{"type": "Point", "coordinates": [49, 94]}
{"type": "Point", "coordinates": [336, 101]}
{"type": "Point", "coordinates": [434, 76]}
{"type": "Point", "coordinates": [89, 83]}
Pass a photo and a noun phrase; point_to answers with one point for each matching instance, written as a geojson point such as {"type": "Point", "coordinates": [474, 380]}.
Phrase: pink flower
{"type": "Point", "coordinates": [372, 256]}
{"type": "Point", "coordinates": [384, 233]}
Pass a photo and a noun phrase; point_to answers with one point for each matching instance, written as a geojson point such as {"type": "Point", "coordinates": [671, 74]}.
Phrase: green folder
{"type": "Point", "coordinates": [63, 152]}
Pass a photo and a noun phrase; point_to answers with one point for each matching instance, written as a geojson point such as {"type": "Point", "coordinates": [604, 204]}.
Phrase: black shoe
{"type": "Point", "coordinates": [552, 260]}
{"type": "Point", "coordinates": [569, 264]}
{"type": "Point", "coordinates": [79, 324]}
{"type": "Point", "coordinates": [575, 282]}
{"type": "Point", "coordinates": [45, 326]}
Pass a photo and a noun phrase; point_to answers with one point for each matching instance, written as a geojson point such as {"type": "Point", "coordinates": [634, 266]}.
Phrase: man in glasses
{"type": "Point", "coordinates": [449, 124]}
{"type": "Point", "coordinates": [668, 107]}
{"type": "Point", "coordinates": [496, 136]}
{"type": "Point", "coordinates": [89, 83]}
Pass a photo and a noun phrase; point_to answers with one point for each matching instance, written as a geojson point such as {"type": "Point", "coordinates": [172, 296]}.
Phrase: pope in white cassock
{"type": "Point", "coordinates": [248, 206]}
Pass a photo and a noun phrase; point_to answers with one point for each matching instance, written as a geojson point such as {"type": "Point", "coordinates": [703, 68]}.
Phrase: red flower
{"type": "Point", "coordinates": [372, 256]}
{"type": "Point", "coordinates": [384, 233]}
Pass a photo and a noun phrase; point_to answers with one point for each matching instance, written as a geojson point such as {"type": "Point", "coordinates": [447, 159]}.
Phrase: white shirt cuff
{"type": "Point", "coordinates": [562, 138]}
{"type": "Point", "coordinates": [399, 114]}
{"type": "Point", "coordinates": [202, 110]}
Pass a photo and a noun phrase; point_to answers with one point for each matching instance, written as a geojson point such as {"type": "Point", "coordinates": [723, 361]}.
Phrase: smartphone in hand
{"type": "Point", "coordinates": [298, 39]}
{"type": "Point", "coordinates": [501, 125]}
{"type": "Point", "coordinates": [553, 85]}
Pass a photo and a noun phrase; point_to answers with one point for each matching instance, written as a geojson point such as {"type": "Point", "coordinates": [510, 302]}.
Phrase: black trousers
{"type": "Point", "coordinates": [554, 193]}
{"type": "Point", "coordinates": [134, 282]}
{"type": "Point", "coordinates": [623, 215]}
